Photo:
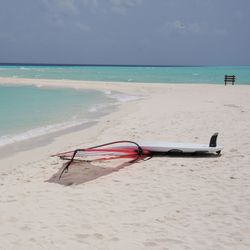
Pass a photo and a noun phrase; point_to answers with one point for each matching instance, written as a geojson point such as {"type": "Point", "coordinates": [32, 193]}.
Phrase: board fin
{"type": "Point", "coordinates": [213, 140]}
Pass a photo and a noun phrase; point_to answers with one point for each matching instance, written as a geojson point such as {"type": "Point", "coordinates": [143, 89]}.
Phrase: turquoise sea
{"type": "Point", "coordinates": [148, 74]}
{"type": "Point", "coordinates": [27, 112]}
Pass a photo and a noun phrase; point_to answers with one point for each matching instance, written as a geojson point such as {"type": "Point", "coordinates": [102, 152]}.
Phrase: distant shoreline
{"type": "Point", "coordinates": [115, 65]}
{"type": "Point", "coordinates": [179, 74]}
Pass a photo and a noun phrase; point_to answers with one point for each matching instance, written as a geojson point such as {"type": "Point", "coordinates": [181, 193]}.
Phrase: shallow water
{"type": "Point", "coordinates": [27, 111]}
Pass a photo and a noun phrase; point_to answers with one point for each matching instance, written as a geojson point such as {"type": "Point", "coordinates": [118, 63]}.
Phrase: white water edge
{"type": "Point", "coordinates": [118, 98]}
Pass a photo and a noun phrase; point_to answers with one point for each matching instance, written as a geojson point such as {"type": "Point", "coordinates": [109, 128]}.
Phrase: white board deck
{"type": "Point", "coordinates": [161, 146]}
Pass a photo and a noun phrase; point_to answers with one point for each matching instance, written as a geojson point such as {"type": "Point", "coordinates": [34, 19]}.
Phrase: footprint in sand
{"type": "Point", "coordinates": [25, 228]}
{"type": "Point", "coordinates": [82, 236]}
{"type": "Point", "coordinates": [115, 239]}
{"type": "Point", "coordinates": [149, 244]}
{"type": "Point", "coordinates": [98, 236]}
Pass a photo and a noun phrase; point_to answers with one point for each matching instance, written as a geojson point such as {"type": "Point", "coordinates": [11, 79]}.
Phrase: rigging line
{"type": "Point", "coordinates": [140, 152]}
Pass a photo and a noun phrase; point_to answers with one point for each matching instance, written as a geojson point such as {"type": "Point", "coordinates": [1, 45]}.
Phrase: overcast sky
{"type": "Point", "coordinates": [162, 32]}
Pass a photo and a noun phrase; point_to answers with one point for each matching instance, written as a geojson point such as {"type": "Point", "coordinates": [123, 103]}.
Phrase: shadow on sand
{"type": "Point", "coordinates": [82, 171]}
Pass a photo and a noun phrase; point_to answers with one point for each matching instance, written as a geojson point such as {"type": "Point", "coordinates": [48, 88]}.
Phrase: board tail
{"type": "Point", "coordinates": [213, 140]}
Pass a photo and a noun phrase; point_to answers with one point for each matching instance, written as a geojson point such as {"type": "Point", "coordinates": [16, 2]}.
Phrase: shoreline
{"type": "Point", "coordinates": [118, 98]}
{"type": "Point", "coordinates": [101, 85]}
{"type": "Point", "coordinates": [173, 202]}
{"type": "Point", "coordinates": [76, 84]}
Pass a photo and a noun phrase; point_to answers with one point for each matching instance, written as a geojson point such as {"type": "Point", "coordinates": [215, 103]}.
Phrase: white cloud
{"type": "Point", "coordinates": [73, 7]}
{"type": "Point", "coordinates": [57, 9]}
{"type": "Point", "coordinates": [177, 25]}
{"type": "Point", "coordinates": [67, 6]}
{"type": "Point", "coordinates": [58, 6]}
{"type": "Point", "coordinates": [90, 2]}
{"type": "Point", "coordinates": [180, 27]}
{"type": "Point", "coordinates": [83, 27]}
{"type": "Point", "coordinates": [121, 6]}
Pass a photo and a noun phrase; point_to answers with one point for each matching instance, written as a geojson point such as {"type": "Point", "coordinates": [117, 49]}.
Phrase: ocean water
{"type": "Point", "coordinates": [148, 74]}
{"type": "Point", "coordinates": [27, 112]}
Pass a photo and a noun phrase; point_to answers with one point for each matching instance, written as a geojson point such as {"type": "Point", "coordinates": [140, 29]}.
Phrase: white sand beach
{"type": "Point", "coordinates": [163, 203]}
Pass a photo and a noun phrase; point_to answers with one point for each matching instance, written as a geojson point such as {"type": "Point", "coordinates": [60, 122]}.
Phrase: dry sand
{"type": "Point", "coordinates": [163, 203]}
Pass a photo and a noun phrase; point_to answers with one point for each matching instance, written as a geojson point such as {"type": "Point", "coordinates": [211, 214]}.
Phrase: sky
{"type": "Point", "coordinates": [128, 32]}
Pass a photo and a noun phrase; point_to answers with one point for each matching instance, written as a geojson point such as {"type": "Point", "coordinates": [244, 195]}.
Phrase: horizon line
{"type": "Point", "coordinates": [113, 65]}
